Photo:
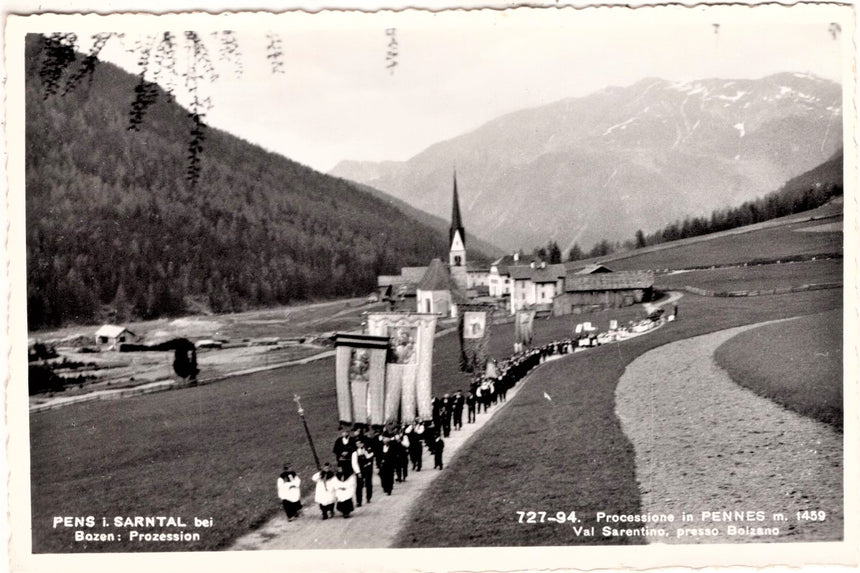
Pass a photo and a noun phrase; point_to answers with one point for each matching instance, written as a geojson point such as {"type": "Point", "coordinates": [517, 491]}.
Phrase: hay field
{"type": "Point", "coordinates": [790, 239]}
{"type": "Point", "coordinates": [808, 376]}
{"type": "Point", "coordinates": [757, 277]}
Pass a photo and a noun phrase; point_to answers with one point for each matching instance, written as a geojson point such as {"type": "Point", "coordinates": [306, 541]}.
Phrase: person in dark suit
{"type": "Point", "coordinates": [473, 385]}
{"type": "Point", "coordinates": [416, 432]}
{"type": "Point", "coordinates": [471, 406]}
{"type": "Point", "coordinates": [445, 415]}
{"type": "Point", "coordinates": [362, 465]}
{"type": "Point", "coordinates": [438, 448]}
{"type": "Point", "coordinates": [437, 412]}
{"type": "Point", "coordinates": [457, 402]}
{"type": "Point", "coordinates": [374, 440]}
{"type": "Point", "coordinates": [401, 447]}
{"type": "Point", "coordinates": [386, 461]}
{"type": "Point", "coordinates": [343, 448]}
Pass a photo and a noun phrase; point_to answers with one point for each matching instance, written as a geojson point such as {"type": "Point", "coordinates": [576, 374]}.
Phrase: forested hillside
{"type": "Point", "coordinates": [115, 229]}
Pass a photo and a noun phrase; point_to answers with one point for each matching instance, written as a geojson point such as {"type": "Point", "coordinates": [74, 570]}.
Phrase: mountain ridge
{"type": "Point", "coordinates": [681, 145]}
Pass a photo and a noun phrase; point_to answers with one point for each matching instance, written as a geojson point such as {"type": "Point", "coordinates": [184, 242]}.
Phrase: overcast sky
{"type": "Point", "coordinates": [337, 100]}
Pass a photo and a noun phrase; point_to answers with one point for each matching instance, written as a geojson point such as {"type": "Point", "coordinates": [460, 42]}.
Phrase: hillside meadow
{"type": "Point", "coordinates": [808, 377]}
{"type": "Point", "coordinates": [756, 277]}
{"type": "Point", "coordinates": [793, 236]}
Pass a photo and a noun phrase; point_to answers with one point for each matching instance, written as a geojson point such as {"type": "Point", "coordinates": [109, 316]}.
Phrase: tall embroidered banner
{"type": "Point", "coordinates": [523, 329]}
{"type": "Point", "coordinates": [360, 378]}
{"type": "Point", "coordinates": [409, 364]}
{"type": "Point", "coordinates": [474, 327]}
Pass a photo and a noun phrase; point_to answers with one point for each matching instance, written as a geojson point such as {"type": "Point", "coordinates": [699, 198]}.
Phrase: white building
{"type": "Point", "coordinates": [535, 285]}
{"type": "Point", "coordinates": [111, 335]}
{"type": "Point", "coordinates": [437, 292]}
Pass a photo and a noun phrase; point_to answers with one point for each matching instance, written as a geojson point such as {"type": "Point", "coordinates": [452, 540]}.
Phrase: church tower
{"type": "Point", "coordinates": [457, 241]}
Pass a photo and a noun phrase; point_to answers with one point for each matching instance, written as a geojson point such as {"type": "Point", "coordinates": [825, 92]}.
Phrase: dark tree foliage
{"type": "Point", "coordinates": [575, 253]}
{"type": "Point", "coordinates": [41, 378]}
{"type": "Point", "coordinates": [185, 363]}
{"type": "Point", "coordinates": [116, 229]}
{"type": "Point", "coordinates": [40, 351]}
{"type": "Point", "coordinates": [145, 95]}
{"type": "Point", "coordinates": [553, 252]}
{"type": "Point", "coordinates": [787, 201]}
{"type": "Point", "coordinates": [57, 53]}
{"type": "Point", "coordinates": [601, 249]}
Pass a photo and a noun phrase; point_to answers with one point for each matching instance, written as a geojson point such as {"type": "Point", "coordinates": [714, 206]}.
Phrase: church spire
{"type": "Point", "coordinates": [456, 222]}
{"type": "Point", "coordinates": [457, 242]}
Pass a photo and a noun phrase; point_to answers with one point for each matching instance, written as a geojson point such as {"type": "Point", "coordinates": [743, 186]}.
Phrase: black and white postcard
{"type": "Point", "coordinates": [490, 289]}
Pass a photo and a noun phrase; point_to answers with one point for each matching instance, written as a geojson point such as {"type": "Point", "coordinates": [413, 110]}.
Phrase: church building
{"type": "Point", "coordinates": [438, 288]}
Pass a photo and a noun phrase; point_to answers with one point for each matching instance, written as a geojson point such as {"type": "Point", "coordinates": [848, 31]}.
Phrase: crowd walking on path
{"type": "Point", "coordinates": [393, 450]}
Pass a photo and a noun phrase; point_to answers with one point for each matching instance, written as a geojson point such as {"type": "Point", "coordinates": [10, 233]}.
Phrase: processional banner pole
{"type": "Point", "coordinates": [296, 399]}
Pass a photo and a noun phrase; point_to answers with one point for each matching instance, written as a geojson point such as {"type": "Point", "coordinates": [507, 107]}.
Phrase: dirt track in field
{"type": "Point", "coordinates": [704, 443]}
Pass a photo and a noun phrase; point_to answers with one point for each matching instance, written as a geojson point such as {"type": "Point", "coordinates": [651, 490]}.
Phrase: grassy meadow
{"type": "Point", "coordinates": [808, 377]}
{"type": "Point", "coordinates": [756, 277]}
{"type": "Point", "coordinates": [770, 243]}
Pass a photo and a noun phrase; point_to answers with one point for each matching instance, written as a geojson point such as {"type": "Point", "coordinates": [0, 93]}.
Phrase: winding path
{"type": "Point", "coordinates": [705, 444]}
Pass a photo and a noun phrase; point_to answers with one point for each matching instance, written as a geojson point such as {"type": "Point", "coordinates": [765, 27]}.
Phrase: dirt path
{"type": "Point", "coordinates": [703, 443]}
{"type": "Point", "coordinates": [371, 526]}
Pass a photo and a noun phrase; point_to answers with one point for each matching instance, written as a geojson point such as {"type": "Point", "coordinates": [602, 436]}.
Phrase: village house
{"type": "Point", "coordinates": [110, 336]}
{"type": "Point", "coordinates": [499, 277]}
{"type": "Point", "coordinates": [437, 292]}
{"type": "Point", "coordinates": [536, 285]}
{"type": "Point", "coordinates": [478, 276]}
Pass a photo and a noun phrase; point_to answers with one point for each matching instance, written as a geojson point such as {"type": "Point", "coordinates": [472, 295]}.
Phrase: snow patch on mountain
{"type": "Point", "coordinates": [738, 95]}
{"type": "Point", "coordinates": [622, 125]}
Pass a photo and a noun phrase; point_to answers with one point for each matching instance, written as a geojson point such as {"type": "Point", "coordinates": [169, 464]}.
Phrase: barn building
{"type": "Point", "coordinates": [597, 287]}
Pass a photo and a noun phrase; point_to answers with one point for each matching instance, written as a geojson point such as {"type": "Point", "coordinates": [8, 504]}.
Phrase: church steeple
{"type": "Point", "coordinates": [457, 238]}
{"type": "Point", "coordinates": [456, 222]}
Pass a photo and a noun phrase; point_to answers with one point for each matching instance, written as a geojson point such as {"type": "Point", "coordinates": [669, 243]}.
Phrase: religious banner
{"type": "Point", "coordinates": [360, 378]}
{"type": "Point", "coordinates": [474, 324]}
{"type": "Point", "coordinates": [474, 327]}
{"type": "Point", "coordinates": [408, 369]}
{"type": "Point", "coordinates": [523, 329]}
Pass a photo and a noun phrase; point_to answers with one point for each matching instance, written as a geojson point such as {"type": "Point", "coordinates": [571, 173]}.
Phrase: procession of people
{"type": "Point", "coordinates": [393, 450]}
